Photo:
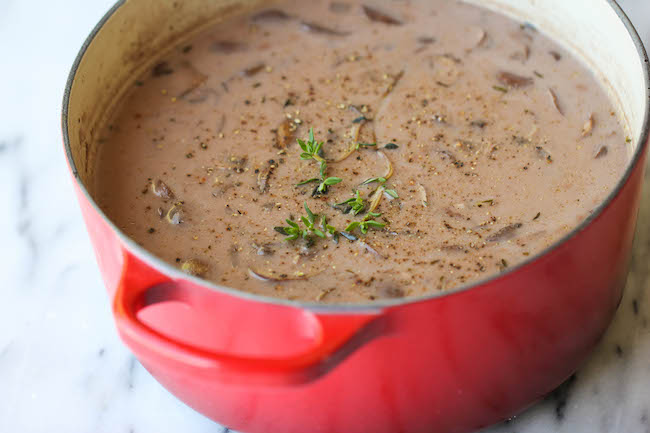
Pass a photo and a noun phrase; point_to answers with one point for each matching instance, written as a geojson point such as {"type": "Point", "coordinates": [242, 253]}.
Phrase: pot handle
{"type": "Point", "coordinates": [337, 337]}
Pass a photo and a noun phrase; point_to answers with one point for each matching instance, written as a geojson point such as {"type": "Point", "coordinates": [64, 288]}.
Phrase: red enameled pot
{"type": "Point", "coordinates": [449, 362]}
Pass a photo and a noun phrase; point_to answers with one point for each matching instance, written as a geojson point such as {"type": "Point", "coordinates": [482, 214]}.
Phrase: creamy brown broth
{"type": "Point", "coordinates": [495, 141]}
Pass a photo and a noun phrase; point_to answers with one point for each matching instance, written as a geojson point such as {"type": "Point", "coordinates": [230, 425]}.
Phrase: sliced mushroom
{"type": "Point", "coordinates": [423, 195]}
{"type": "Point", "coordinates": [453, 249]}
{"type": "Point", "coordinates": [349, 236]}
{"type": "Point", "coordinates": [284, 135]}
{"type": "Point", "coordinates": [454, 214]}
{"type": "Point", "coordinates": [264, 175]}
{"type": "Point", "coordinates": [264, 249]}
{"type": "Point", "coordinates": [513, 80]}
{"type": "Point", "coordinates": [370, 249]}
{"type": "Point", "coordinates": [506, 233]}
{"type": "Point", "coordinates": [521, 55]}
{"type": "Point", "coordinates": [160, 189]}
{"type": "Point", "coordinates": [601, 151]}
{"type": "Point", "coordinates": [588, 127]}
{"type": "Point", "coordinates": [477, 38]}
{"type": "Point", "coordinates": [555, 101]}
{"type": "Point", "coordinates": [175, 214]}
{"type": "Point", "coordinates": [380, 17]}
{"type": "Point", "coordinates": [324, 293]}
{"type": "Point", "coordinates": [273, 277]}
{"type": "Point", "coordinates": [198, 94]}
{"type": "Point", "coordinates": [162, 69]}
{"type": "Point", "coordinates": [322, 30]}
{"type": "Point", "coordinates": [233, 252]}
{"type": "Point", "coordinates": [543, 154]}
{"type": "Point", "coordinates": [253, 70]}
{"type": "Point", "coordinates": [271, 15]}
{"type": "Point", "coordinates": [426, 40]}
{"type": "Point", "coordinates": [366, 133]}
{"type": "Point", "coordinates": [227, 47]}
{"type": "Point", "coordinates": [391, 291]}
{"type": "Point", "coordinates": [394, 81]}
{"type": "Point", "coordinates": [192, 81]}
{"type": "Point", "coordinates": [375, 199]}
{"type": "Point", "coordinates": [389, 166]}
{"type": "Point", "coordinates": [446, 70]}
{"type": "Point", "coordinates": [195, 267]}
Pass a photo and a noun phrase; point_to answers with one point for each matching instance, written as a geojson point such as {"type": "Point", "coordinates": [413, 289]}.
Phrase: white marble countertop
{"type": "Point", "coordinates": [62, 367]}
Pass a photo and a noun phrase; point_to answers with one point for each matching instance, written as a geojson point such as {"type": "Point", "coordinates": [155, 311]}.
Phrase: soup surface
{"type": "Point", "coordinates": [449, 143]}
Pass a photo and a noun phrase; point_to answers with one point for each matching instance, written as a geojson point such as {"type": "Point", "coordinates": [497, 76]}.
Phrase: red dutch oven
{"type": "Point", "coordinates": [449, 362]}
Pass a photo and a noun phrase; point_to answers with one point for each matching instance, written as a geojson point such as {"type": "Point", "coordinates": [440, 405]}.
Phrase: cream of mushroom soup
{"type": "Point", "coordinates": [350, 151]}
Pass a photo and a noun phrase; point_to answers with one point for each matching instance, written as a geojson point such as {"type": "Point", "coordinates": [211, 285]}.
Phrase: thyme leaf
{"type": "Point", "coordinates": [356, 203]}
{"type": "Point", "coordinates": [381, 180]}
{"type": "Point", "coordinates": [365, 224]}
{"type": "Point", "coordinates": [293, 230]}
{"type": "Point", "coordinates": [311, 148]}
{"type": "Point", "coordinates": [305, 182]}
{"type": "Point", "coordinates": [328, 182]}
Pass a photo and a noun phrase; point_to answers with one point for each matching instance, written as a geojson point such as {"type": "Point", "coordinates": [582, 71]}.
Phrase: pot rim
{"type": "Point", "coordinates": [171, 271]}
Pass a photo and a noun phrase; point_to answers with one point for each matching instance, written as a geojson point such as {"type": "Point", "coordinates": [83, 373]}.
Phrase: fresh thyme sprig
{"type": "Point", "coordinates": [360, 145]}
{"type": "Point", "coordinates": [356, 203]}
{"type": "Point", "coordinates": [366, 223]}
{"type": "Point", "coordinates": [311, 148]}
{"type": "Point", "coordinates": [322, 187]}
{"type": "Point", "coordinates": [294, 231]}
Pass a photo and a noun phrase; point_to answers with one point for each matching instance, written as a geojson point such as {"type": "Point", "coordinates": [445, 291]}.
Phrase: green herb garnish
{"type": "Point", "coordinates": [311, 149]}
{"type": "Point", "coordinates": [391, 146]}
{"type": "Point", "coordinates": [305, 182]}
{"type": "Point", "coordinates": [365, 224]}
{"type": "Point", "coordinates": [356, 203]}
{"type": "Point", "coordinates": [500, 89]}
{"type": "Point", "coordinates": [328, 182]}
{"type": "Point", "coordinates": [381, 180]}
{"type": "Point", "coordinates": [359, 145]}
{"type": "Point", "coordinates": [293, 231]}
{"type": "Point", "coordinates": [328, 228]}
